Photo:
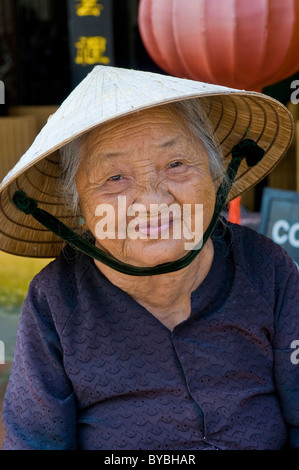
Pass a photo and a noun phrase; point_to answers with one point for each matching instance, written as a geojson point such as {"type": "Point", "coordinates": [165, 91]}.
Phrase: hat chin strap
{"type": "Point", "coordinates": [247, 149]}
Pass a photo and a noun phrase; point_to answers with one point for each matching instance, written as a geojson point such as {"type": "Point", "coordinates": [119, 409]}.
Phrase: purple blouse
{"type": "Point", "coordinates": [93, 369]}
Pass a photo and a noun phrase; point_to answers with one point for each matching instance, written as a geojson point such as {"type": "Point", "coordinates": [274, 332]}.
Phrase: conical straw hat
{"type": "Point", "coordinates": [106, 94]}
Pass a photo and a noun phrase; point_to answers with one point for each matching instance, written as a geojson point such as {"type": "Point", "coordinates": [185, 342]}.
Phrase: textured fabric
{"type": "Point", "coordinates": [95, 370]}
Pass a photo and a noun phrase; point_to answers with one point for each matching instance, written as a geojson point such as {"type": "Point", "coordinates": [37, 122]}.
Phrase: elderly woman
{"type": "Point", "coordinates": [158, 325]}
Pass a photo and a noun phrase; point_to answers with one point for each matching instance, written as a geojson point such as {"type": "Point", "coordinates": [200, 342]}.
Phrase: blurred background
{"type": "Point", "coordinates": [48, 46]}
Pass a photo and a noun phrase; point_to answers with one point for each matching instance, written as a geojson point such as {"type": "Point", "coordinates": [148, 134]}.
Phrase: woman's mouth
{"type": "Point", "coordinates": [156, 228]}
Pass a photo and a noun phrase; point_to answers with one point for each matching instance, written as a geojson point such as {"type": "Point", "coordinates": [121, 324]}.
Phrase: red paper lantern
{"type": "Point", "coordinates": [246, 44]}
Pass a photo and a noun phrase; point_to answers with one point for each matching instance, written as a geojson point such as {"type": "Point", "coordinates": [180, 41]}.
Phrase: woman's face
{"type": "Point", "coordinates": [133, 171]}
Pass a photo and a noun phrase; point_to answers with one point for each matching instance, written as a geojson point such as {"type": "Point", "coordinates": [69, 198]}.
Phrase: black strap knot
{"type": "Point", "coordinates": [249, 150]}
{"type": "Point", "coordinates": [24, 203]}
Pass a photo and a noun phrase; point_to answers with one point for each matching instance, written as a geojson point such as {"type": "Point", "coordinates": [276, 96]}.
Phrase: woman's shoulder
{"type": "Point", "coordinates": [55, 291]}
{"type": "Point", "coordinates": [62, 276]}
{"type": "Point", "coordinates": [264, 261]}
{"type": "Point", "coordinates": [61, 268]}
{"type": "Point", "coordinates": [257, 247]}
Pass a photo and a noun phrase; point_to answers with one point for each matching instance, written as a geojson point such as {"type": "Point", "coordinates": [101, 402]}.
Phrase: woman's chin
{"type": "Point", "coordinates": [164, 251]}
{"type": "Point", "coordinates": [145, 253]}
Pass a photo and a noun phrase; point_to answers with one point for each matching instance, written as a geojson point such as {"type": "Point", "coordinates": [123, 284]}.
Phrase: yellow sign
{"type": "Point", "coordinates": [91, 50]}
{"type": "Point", "coordinates": [89, 8]}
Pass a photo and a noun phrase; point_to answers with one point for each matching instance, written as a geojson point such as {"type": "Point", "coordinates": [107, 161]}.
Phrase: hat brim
{"type": "Point", "coordinates": [106, 94]}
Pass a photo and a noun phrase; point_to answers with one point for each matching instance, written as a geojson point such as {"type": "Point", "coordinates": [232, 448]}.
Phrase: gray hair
{"type": "Point", "coordinates": [196, 119]}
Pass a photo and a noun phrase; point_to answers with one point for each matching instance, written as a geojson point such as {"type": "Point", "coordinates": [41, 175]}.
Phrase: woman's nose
{"type": "Point", "coordinates": [154, 193]}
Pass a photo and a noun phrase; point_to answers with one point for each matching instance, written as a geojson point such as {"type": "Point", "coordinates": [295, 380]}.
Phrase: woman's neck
{"type": "Point", "coordinates": [166, 296]}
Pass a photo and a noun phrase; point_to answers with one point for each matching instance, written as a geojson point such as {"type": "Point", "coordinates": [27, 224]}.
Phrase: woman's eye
{"type": "Point", "coordinates": [175, 164]}
{"type": "Point", "coordinates": [115, 178]}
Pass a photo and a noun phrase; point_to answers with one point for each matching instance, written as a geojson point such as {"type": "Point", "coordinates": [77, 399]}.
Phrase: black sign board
{"type": "Point", "coordinates": [9, 54]}
{"type": "Point", "coordinates": [90, 36]}
{"type": "Point", "coordinates": [280, 219]}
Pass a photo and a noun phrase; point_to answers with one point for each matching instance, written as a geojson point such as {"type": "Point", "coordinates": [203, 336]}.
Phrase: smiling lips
{"type": "Point", "coordinates": [156, 228]}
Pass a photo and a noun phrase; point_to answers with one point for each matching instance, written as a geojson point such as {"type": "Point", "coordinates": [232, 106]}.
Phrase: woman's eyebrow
{"type": "Point", "coordinates": [109, 155]}
{"type": "Point", "coordinates": [171, 142]}
{"type": "Point", "coordinates": [105, 156]}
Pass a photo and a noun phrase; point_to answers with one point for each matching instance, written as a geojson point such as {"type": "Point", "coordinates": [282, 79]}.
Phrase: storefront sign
{"type": "Point", "coordinates": [280, 219]}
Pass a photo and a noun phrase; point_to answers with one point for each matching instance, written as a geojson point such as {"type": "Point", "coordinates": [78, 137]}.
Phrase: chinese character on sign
{"type": "Point", "coordinates": [90, 50]}
{"type": "Point", "coordinates": [89, 8]}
